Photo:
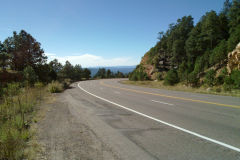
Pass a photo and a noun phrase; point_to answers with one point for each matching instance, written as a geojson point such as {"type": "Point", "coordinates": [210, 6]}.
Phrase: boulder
{"type": "Point", "coordinates": [234, 59]}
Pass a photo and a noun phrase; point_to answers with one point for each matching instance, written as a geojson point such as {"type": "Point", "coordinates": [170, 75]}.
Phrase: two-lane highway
{"type": "Point", "coordinates": [169, 124]}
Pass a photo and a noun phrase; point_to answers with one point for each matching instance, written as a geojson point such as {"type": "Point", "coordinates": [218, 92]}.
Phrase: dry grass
{"type": "Point", "coordinates": [182, 87]}
{"type": "Point", "coordinates": [55, 87]}
{"type": "Point", "coordinates": [17, 117]}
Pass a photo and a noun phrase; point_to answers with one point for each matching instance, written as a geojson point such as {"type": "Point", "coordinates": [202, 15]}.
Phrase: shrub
{"type": "Point", "coordinates": [193, 79]}
{"type": "Point", "coordinates": [159, 76]}
{"type": "Point", "coordinates": [210, 78]}
{"type": "Point", "coordinates": [232, 81]}
{"type": "Point", "coordinates": [221, 77]}
{"type": "Point", "coordinates": [66, 83]}
{"type": "Point", "coordinates": [38, 85]}
{"type": "Point", "coordinates": [219, 53]}
{"type": "Point", "coordinates": [182, 71]}
{"type": "Point", "coordinates": [55, 87]}
{"type": "Point", "coordinates": [133, 77]}
{"type": "Point", "coordinates": [220, 80]}
{"type": "Point", "coordinates": [142, 76]}
{"type": "Point", "coordinates": [199, 65]}
{"type": "Point", "coordinates": [218, 90]}
{"type": "Point", "coordinates": [228, 84]}
{"type": "Point", "coordinates": [12, 89]}
{"type": "Point", "coordinates": [171, 78]}
{"type": "Point", "coordinates": [234, 39]}
{"type": "Point", "coordinates": [11, 143]}
{"type": "Point", "coordinates": [138, 76]}
{"type": "Point", "coordinates": [30, 76]}
{"type": "Point", "coordinates": [235, 76]}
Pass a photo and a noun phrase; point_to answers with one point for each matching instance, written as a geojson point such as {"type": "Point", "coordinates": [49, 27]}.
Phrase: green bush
{"type": "Point", "coordinates": [11, 143]}
{"type": "Point", "coordinates": [220, 80]}
{"type": "Point", "coordinates": [171, 78]}
{"type": "Point", "coordinates": [219, 53]}
{"type": "Point", "coordinates": [199, 65]}
{"type": "Point", "coordinates": [142, 76]}
{"type": "Point", "coordinates": [221, 77]}
{"type": "Point", "coordinates": [159, 76]}
{"type": "Point", "coordinates": [193, 79]}
{"type": "Point", "coordinates": [133, 77]}
{"type": "Point", "coordinates": [235, 76]}
{"type": "Point", "coordinates": [228, 84]}
{"type": "Point", "coordinates": [12, 89]}
{"type": "Point", "coordinates": [30, 76]}
{"type": "Point", "coordinates": [232, 81]}
{"type": "Point", "coordinates": [138, 75]}
{"type": "Point", "coordinates": [234, 39]}
{"type": "Point", "coordinates": [210, 78]}
{"type": "Point", "coordinates": [182, 71]}
{"type": "Point", "coordinates": [55, 87]}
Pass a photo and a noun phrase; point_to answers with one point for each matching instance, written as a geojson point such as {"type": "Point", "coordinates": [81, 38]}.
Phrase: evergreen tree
{"type": "Point", "coordinates": [78, 72]}
{"type": "Point", "coordinates": [226, 7]}
{"type": "Point", "coordinates": [234, 15]}
{"type": "Point", "coordinates": [219, 54]}
{"type": "Point", "coordinates": [4, 57]}
{"type": "Point", "coordinates": [30, 76]}
{"type": "Point", "coordinates": [109, 74]}
{"type": "Point", "coordinates": [86, 74]}
{"type": "Point", "coordinates": [24, 50]}
{"type": "Point", "coordinates": [171, 78]}
{"type": "Point", "coordinates": [67, 71]}
{"type": "Point", "coordinates": [55, 65]}
{"type": "Point", "coordinates": [101, 73]}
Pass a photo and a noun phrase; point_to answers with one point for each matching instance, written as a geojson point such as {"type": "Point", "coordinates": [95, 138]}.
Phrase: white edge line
{"type": "Point", "coordinates": [166, 123]}
{"type": "Point", "coordinates": [162, 102]}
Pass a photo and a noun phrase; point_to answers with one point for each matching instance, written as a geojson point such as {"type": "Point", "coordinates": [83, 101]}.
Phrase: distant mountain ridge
{"type": "Point", "coordinates": [114, 69]}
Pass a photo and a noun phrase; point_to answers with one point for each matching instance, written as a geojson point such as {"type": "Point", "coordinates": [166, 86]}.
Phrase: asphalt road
{"type": "Point", "coordinates": [145, 123]}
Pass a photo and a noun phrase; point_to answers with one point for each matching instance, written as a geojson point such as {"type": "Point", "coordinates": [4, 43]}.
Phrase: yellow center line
{"type": "Point", "coordinates": [173, 97]}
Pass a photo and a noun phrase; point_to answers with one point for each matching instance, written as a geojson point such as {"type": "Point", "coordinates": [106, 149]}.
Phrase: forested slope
{"type": "Point", "coordinates": [195, 54]}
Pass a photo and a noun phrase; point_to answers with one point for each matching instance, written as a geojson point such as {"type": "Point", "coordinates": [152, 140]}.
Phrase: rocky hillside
{"type": "Point", "coordinates": [191, 53]}
{"type": "Point", "coordinates": [232, 62]}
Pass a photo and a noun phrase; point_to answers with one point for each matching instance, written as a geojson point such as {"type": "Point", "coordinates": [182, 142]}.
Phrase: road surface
{"type": "Point", "coordinates": [144, 123]}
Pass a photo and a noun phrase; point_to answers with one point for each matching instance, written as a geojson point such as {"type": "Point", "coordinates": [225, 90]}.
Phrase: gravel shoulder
{"type": "Point", "coordinates": [63, 134]}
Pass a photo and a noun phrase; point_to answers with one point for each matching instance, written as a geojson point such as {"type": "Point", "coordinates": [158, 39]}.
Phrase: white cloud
{"type": "Point", "coordinates": [89, 60]}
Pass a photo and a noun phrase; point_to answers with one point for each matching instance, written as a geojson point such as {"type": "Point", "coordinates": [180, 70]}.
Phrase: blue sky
{"type": "Point", "coordinates": [97, 32]}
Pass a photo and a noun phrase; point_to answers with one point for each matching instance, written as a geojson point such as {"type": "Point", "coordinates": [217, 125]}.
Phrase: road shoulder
{"type": "Point", "coordinates": [62, 135]}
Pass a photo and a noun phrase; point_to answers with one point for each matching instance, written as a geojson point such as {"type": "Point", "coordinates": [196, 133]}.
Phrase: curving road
{"type": "Point", "coordinates": [146, 123]}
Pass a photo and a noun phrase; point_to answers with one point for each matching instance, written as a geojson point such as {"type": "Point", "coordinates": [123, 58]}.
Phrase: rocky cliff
{"type": "Point", "coordinates": [154, 64]}
{"type": "Point", "coordinates": [234, 59]}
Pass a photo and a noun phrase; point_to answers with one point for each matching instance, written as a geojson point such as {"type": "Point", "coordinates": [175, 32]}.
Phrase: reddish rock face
{"type": "Point", "coordinates": [234, 59]}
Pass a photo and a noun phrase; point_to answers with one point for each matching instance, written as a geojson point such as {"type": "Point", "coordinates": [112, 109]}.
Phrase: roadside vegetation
{"type": "Point", "coordinates": [197, 55]}
{"type": "Point", "coordinates": [182, 87]}
{"type": "Point", "coordinates": [25, 79]}
{"type": "Point", "coordinates": [17, 111]}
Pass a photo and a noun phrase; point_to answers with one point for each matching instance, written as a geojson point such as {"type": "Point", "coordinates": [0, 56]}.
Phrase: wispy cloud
{"type": "Point", "coordinates": [89, 60]}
